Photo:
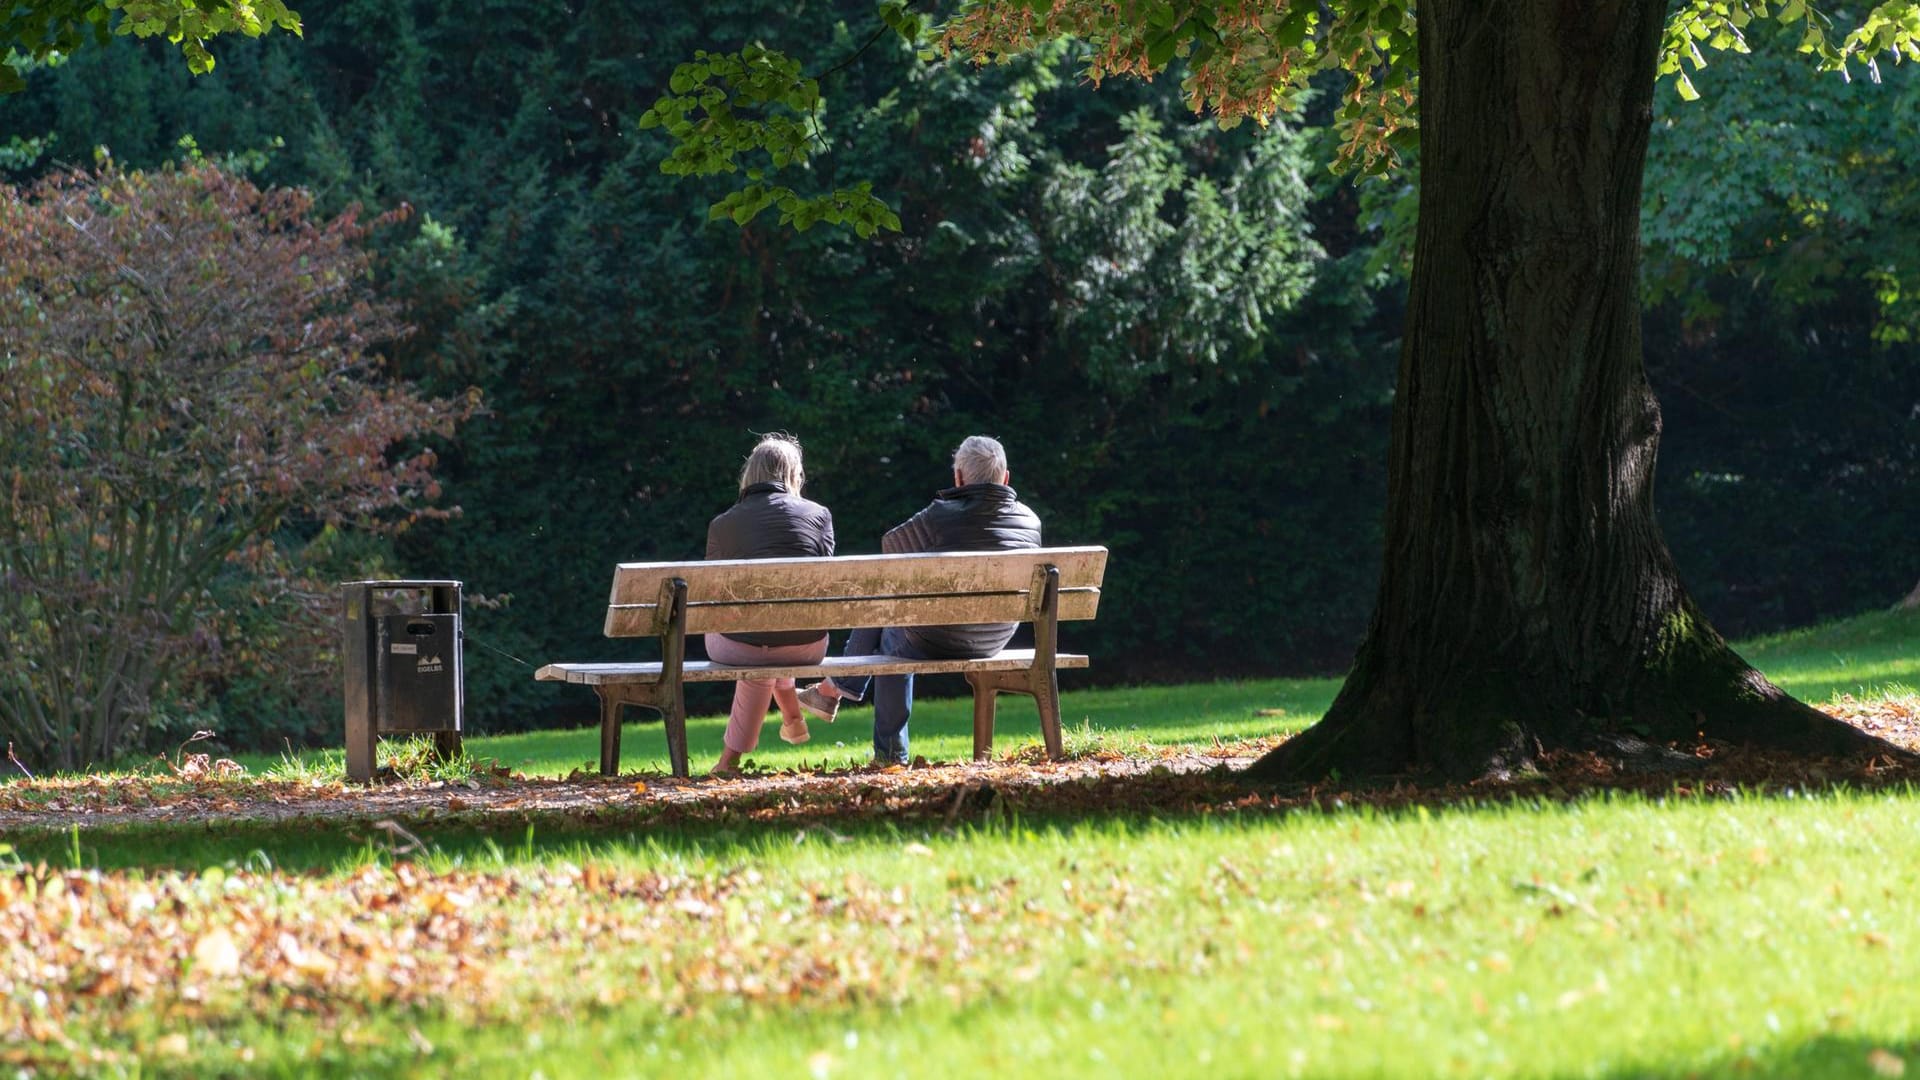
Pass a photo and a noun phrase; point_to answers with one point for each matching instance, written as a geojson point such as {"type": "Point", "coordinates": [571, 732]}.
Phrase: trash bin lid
{"type": "Point", "coordinates": [409, 583]}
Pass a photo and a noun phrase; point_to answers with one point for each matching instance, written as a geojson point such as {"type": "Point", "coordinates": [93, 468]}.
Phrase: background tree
{"type": "Point", "coordinates": [1778, 275]}
{"type": "Point", "coordinates": [615, 328]}
{"type": "Point", "coordinates": [1777, 317]}
{"type": "Point", "coordinates": [188, 362]}
{"type": "Point", "coordinates": [1527, 599]}
{"type": "Point", "coordinates": [52, 28]}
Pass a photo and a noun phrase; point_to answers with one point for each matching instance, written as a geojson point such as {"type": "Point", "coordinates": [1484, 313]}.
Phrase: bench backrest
{"type": "Point", "coordinates": [746, 595]}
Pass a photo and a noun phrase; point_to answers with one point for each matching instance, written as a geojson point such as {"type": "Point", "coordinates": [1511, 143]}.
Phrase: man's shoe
{"type": "Point", "coordinates": [815, 703]}
{"type": "Point", "coordinates": [794, 731]}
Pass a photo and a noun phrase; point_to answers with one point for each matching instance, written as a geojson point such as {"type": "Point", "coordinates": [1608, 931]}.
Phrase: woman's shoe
{"type": "Point", "coordinates": [816, 703]}
{"type": "Point", "coordinates": [794, 731]}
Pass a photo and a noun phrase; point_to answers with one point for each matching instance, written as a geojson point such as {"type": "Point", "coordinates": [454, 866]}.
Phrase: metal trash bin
{"type": "Point", "coordinates": [400, 646]}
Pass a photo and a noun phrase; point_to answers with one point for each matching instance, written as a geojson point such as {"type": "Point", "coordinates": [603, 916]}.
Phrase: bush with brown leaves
{"type": "Point", "coordinates": [189, 362]}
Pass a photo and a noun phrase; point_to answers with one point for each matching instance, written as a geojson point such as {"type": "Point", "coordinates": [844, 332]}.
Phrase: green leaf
{"type": "Point", "coordinates": [1685, 86]}
{"type": "Point", "coordinates": [1295, 27]}
{"type": "Point", "coordinates": [11, 81]}
{"type": "Point", "coordinates": [1160, 48]}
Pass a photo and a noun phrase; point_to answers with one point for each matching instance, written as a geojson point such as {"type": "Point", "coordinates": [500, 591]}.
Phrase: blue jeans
{"type": "Point", "coordinates": [893, 694]}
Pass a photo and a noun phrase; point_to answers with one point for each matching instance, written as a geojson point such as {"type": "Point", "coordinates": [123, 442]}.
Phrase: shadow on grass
{"type": "Point", "coordinates": [734, 822]}
{"type": "Point", "coordinates": [1810, 1059]}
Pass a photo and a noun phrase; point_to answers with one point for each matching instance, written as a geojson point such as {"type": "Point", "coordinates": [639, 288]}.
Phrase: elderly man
{"type": "Point", "coordinates": [979, 513]}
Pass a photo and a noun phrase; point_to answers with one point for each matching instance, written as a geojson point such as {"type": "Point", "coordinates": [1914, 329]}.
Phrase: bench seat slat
{"type": "Point", "coordinates": [709, 671]}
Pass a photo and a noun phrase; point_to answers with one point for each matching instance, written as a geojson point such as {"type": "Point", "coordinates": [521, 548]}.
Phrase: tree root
{"type": "Point", "coordinates": [1477, 736]}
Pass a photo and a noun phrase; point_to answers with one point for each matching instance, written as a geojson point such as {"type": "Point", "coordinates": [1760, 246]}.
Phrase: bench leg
{"type": "Point", "coordinates": [1046, 694]}
{"type": "Point", "coordinates": [1043, 688]}
{"type": "Point", "coordinates": [668, 701]}
{"type": "Point", "coordinates": [674, 712]}
{"type": "Point", "coordinates": [609, 733]}
{"type": "Point", "coordinates": [985, 698]}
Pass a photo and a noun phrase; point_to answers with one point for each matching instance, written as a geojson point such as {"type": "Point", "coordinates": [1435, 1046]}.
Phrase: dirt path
{"type": "Point", "coordinates": [95, 802]}
{"type": "Point", "coordinates": [1185, 780]}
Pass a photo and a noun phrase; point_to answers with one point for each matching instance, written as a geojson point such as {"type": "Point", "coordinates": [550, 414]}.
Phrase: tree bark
{"type": "Point", "coordinates": [1528, 601]}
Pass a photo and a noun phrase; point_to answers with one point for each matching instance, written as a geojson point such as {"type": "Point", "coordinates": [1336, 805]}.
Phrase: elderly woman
{"type": "Point", "coordinates": [770, 521]}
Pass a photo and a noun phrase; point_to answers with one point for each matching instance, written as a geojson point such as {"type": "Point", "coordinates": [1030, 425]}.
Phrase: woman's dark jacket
{"type": "Point", "coordinates": [769, 522]}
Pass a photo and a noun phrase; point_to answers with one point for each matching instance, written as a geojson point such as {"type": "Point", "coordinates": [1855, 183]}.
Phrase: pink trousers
{"type": "Point", "coordinates": [752, 696]}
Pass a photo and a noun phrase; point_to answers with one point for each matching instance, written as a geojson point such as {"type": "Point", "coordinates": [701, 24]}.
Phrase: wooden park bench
{"type": "Point", "coordinates": [672, 600]}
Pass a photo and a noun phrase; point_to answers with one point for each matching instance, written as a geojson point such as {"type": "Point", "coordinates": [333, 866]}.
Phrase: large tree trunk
{"type": "Point", "coordinates": [1528, 600]}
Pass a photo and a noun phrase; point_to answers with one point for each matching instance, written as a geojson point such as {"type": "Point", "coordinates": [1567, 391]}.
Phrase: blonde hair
{"type": "Point", "coordinates": [776, 459]}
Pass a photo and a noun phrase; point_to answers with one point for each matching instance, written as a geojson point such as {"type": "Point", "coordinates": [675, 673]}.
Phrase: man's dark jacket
{"type": "Point", "coordinates": [769, 522]}
{"type": "Point", "coordinates": [976, 517]}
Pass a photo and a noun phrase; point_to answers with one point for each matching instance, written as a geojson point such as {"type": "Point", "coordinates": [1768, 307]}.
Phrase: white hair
{"type": "Point", "coordinates": [980, 460]}
{"type": "Point", "coordinates": [775, 460]}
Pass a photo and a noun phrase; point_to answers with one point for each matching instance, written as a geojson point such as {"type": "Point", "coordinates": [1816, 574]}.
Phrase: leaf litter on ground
{"type": "Point", "coordinates": [100, 970]}
{"type": "Point", "coordinates": [1095, 779]}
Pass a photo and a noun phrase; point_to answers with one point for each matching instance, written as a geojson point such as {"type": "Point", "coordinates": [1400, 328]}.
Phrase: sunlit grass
{"type": "Point", "coordinates": [1609, 937]}
{"type": "Point", "coordinates": [1868, 656]}
{"type": "Point", "coordinates": [1124, 719]}
{"type": "Point", "coordinates": [1871, 655]}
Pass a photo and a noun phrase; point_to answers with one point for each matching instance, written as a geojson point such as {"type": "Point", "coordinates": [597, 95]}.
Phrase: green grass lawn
{"type": "Point", "coordinates": [1609, 937]}
{"type": "Point", "coordinates": [1126, 719]}
{"type": "Point", "coordinates": [1612, 936]}
{"type": "Point", "coordinates": [1872, 655]}
{"type": "Point", "coordinates": [1867, 656]}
